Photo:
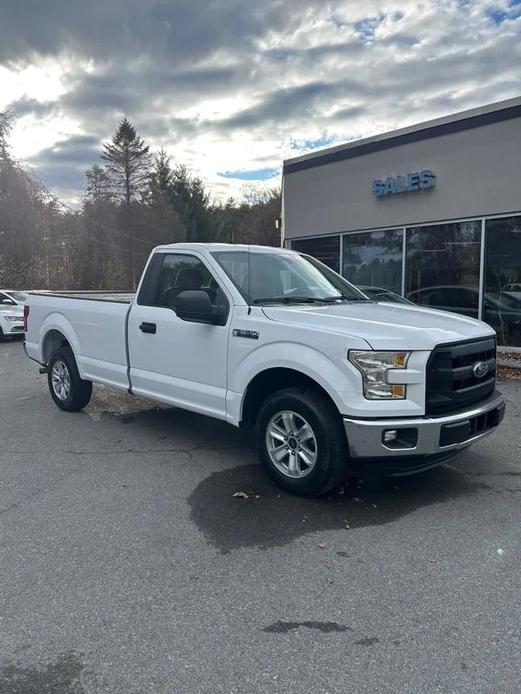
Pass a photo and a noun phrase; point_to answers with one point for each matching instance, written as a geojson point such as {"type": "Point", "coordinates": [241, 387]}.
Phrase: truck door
{"type": "Point", "coordinates": [173, 360]}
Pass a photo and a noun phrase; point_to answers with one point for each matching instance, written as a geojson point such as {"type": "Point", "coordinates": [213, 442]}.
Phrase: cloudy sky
{"type": "Point", "coordinates": [232, 87]}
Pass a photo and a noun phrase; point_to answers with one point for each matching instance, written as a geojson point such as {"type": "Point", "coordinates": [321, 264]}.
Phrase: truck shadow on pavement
{"type": "Point", "coordinates": [262, 515]}
{"type": "Point", "coordinates": [265, 516]}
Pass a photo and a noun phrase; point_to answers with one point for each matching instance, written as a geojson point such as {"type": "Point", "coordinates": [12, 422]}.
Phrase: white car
{"type": "Point", "coordinates": [12, 297]}
{"type": "Point", "coordinates": [11, 321]}
{"type": "Point", "coordinates": [269, 339]}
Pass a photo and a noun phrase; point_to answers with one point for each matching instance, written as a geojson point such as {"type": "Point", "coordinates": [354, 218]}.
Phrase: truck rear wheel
{"type": "Point", "coordinates": [70, 392]}
{"type": "Point", "coordinates": [301, 442]}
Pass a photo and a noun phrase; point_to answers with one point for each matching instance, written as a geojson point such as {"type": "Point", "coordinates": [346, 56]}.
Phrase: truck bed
{"type": "Point", "coordinates": [93, 323]}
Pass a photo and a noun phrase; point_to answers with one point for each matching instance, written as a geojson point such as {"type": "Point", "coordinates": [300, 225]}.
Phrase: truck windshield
{"type": "Point", "coordinates": [284, 278]}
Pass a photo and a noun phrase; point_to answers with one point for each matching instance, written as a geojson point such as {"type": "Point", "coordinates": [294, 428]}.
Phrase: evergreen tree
{"type": "Point", "coordinates": [161, 176]}
{"type": "Point", "coordinates": [98, 184]}
{"type": "Point", "coordinates": [5, 128]}
{"type": "Point", "coordinates": [193, 204]}
{"type": "Point", "coordinates": [128, 168]}
{"type": "Point", "coordinates": [128, 162]}
{"type": "Point", "coordinates": [159, 214]}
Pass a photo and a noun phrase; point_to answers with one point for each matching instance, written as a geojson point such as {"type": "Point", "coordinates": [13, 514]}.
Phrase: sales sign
{"type": "Point", "coordinates": [415, 180]}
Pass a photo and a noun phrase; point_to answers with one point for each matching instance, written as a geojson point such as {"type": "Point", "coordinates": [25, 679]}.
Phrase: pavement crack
{"type": "Point", "coordinates": [38, 491]}
{"type": "Point", "coordinates": [325, 627]}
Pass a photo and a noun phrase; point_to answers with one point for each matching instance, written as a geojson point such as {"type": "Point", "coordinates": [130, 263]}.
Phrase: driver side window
{"type": "Point", "coordinates": [179, 272]}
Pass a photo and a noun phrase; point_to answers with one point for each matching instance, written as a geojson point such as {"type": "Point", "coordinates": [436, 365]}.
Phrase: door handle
{"type": "Point", "coordinates": [148, 328]}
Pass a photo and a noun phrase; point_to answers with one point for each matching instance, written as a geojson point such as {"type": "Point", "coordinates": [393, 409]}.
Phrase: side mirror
{"type": "Point", "coordinates": [9, 302]}
{"type": "Point", "coordinates": [194, 306]}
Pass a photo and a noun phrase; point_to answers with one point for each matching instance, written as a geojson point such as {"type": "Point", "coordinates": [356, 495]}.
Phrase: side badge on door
{"type": "Point", "coordinates": [251, 334]}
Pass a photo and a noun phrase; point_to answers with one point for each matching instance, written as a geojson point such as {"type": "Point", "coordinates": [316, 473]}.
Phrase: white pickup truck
{"type": "Point", "coordinates": [274, 340]}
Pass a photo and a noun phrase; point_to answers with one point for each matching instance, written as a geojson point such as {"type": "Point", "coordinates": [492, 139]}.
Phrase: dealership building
{"type": "Point", "coordinates": [431, 212]}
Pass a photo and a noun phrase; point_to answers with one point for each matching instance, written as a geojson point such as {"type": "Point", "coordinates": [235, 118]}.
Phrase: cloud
{"type": "Point", "coordinates": [184, 29]}
{"type": "Point", "coordinates": [62, 167]}
{"type": "Point", "coordinates": [231, 88]}
{"type": "Point", "coordinates": [284, 104]}
{"type": "Point", "coordinates": [27, 106]}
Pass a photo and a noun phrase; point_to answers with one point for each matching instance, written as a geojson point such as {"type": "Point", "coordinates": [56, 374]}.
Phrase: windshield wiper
{"type": "Point", "coordinates": [311, 300]}
{"type": "Point", "coordinates": [349, 299]}
{"type": "Point", "coordinates": [287, 300]}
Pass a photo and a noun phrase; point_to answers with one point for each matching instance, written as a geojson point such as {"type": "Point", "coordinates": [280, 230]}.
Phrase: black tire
{"type": "Point", "coordinates": [1, 335]}
{"type": "Point", "coordinates": [331, 467]}
{"type": "Point", "coordinates": [78, 393]}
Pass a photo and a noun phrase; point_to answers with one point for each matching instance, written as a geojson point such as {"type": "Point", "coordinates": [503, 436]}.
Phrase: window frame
{"type": "Point", "coordinates": [149, 286]}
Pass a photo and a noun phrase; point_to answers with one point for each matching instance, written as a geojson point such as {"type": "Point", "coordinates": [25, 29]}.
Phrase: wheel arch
{"type": "Point", "coordinates": [56, 331]}
{"type": "Point", "coordinates": [54, 339]}
{"type": "Point", "coordinates": [270, 381]}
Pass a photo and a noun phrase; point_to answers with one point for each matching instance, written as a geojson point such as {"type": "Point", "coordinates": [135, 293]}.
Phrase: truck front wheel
{"type": "Point", "coordinates": [70, 392]}
{"type": "Point", "coordinates": [301, 442]}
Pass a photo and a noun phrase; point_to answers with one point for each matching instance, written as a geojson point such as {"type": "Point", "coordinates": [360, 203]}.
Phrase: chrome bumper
{"type": "Point", "coordinates": [424, 436]}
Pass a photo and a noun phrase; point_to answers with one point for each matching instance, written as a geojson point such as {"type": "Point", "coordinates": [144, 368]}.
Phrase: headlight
{"type": "Point", "coordinates": [374, 367]}
{"type": "Point", "coordinates": [14, 318]}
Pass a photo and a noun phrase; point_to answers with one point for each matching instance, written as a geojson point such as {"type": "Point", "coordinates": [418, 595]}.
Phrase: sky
{"type": "Point", "coordinates": [232, 88]}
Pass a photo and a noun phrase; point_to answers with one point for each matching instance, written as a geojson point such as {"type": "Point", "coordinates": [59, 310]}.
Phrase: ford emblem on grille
{"type": "Point", "coordinates": [480, 369]}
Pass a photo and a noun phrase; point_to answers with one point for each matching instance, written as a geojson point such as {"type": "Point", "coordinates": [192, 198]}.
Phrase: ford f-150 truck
{"type": "Point", "coordinates": [274, 340]}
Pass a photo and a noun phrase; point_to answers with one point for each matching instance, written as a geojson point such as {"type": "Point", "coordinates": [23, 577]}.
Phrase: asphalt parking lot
{"type": "Point", "coordinates": [127, 565]}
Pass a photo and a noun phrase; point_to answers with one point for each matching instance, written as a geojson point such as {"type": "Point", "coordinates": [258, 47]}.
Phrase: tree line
{"type": "Point", "coordinates": [133, 200]}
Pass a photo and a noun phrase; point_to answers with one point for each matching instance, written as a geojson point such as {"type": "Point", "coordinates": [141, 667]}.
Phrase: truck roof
{"type": "Point", "coordinates": [213, 247]}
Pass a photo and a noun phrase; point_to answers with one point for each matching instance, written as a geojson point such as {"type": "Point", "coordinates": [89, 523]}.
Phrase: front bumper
{"type": "Point", "coordinates": [425, 440]}
{"type": "Point", "coordinates": [13, 329]}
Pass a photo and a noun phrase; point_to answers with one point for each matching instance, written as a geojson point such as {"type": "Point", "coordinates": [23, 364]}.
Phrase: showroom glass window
{"type": "Point", "coordinates": [442, 266]}
{"type": "Point", "coordinates": [502, 291]}
{"type": "Point", "coordinates": [326, 249]}
{"type": "Point", "coordinates": [374, 259]}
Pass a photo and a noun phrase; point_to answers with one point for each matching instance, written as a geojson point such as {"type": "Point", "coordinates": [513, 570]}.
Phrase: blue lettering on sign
{"type": "Point", "coordinates": [415, 180]}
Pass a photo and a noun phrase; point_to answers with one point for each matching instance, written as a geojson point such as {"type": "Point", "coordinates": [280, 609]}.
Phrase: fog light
{"type": "Point", "coordinates": [400, 438]}
{"type": "Point", "coordinates": [390, 435]}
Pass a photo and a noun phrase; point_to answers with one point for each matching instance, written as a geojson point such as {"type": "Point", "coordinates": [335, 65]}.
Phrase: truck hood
{"type": "Point", "coordinates": [384, 326]}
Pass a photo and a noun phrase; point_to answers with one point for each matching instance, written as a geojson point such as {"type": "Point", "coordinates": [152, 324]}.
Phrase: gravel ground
{"type": "Point", "coordinates": [127, 565]}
